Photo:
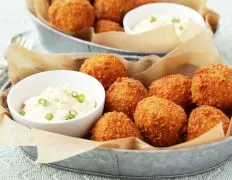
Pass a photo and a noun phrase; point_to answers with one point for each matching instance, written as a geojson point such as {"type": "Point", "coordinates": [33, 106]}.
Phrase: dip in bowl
{"type": "Point", "coordinates": [155, 15]}
{"type": "Point", "coordinates": [62, 101]}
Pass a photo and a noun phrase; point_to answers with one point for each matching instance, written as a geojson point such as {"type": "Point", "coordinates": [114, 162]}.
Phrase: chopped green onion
{"type": "Point", "coordinates": [73, 113]}
{"type": "Point", "coordinates": [69, 116]}
{"type": "Point", "coordinates": [153, 19]}
{"type": "Point", "coordinates": [74, 94]}
{"type": "Point", "coordinates": [181, 28]}
{"type": "Point", "coordinates": [57, 100]}
{"type": "Point", "coordinates": [22, 112]}
{"type": "Point", "coordinates": [49, 116]}
{"type": "Point", "coordinates": [175, 20]}
{"type": "Point", "coordinates": [81, 98]}
{"type": "Point", "coordinates": [43, 102]}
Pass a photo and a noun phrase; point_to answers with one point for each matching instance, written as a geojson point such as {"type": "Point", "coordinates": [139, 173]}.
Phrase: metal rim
{"type": "Point", "coordinates": [130, 177]}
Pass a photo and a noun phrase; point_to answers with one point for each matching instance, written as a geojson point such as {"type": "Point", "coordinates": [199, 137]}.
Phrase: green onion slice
{"type": "Point", "coordinates": [81, 98]}
{"type": "Point", "coordinates": [22, 112]}
{"type": "Point", "coordinates": [49, 116]}
{"type": "Point", "coordinates": [153, 19]}
{"type": "Point", "coordinates": [175, 20]}
{"type": "Point", "coordinates": [43, 102]}
{"type": "Point", "coordinates": [181, 28]}
{"type": "Point", "coordinates": [74, 94]}
{"type": "Point", "coordinates": [69, 116]}
{"type": "Point", "coordinates": [73, 113]}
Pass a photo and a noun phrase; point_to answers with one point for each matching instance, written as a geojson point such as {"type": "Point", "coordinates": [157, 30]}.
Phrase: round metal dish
{"type": "Point", "coordinates": [146, 164]}
{"type": "Point", "coordinates": [55, 41]}
{"type": "Point", "coordinates": [74, 164]}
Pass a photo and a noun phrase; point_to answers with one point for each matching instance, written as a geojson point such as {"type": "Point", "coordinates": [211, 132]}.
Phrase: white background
{"type": "Point", "coordinates": [13, 19]}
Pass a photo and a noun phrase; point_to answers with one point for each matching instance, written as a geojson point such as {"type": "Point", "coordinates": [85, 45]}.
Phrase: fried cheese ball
{"type": "Point", "coordinates": [124, 94]}
{"type": "Point", "coordinates": [71, 15]}
{"type": "Point", "coordinates": [204, 118]}
{"type": "Point", "coordinates": [113, 10]}
{"type": "Point", "coordinates": [104, 67]}
{"type": "Point", "coordinates": [114, 125]}
{"type": "Point", "coordinates": [160, 121]}
{"type": "Point", "coordinates": [142, 2]}
{"type": "Point", "coordinates": [176, 88]}
{"type": "Point", "coordinates": [212, 86]}
{"type": "Point", "coordinates": [107, 26]}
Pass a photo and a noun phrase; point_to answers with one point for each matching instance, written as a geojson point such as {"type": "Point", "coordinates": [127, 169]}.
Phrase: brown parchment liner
{"type": "Point", "coordinates": [52, 147]}
{"type": "Point", "coordinates": [152, 41]}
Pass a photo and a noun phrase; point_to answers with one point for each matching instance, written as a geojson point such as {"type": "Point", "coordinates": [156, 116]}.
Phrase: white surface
{"type": "Point", "coordinates": [77, 127]}
{"type": "Point", "coordinates": [13, 19]}
{"type": "Point", "coordinates": [14, 165]}
{"type": "Point", "coordinates": [167, 10]}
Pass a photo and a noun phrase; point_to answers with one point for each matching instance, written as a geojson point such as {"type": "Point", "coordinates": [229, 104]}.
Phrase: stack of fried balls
{"type": "Point", "coordinates": [171, 110]}
{"type": "Point", "coordinates": [103, 15]}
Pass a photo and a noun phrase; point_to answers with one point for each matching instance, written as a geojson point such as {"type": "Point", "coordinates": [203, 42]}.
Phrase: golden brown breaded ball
{"type": "Point", "coordinates": [212, 86]}
{"type": "Point", "coordinates": [160, 121]}
{"type": "Point", "coordinates": [142, 2]}
{"type": "Point", "coordinates": [204, 118]}
{"type": "Point", "coordinates": [51, 1]}
{"type": "Point", "coordinates": [124, 94]}
{"type": "Point", "coordinates": [114, 125]}
{"type": "Point", "coordinates": [113, 10]}
{"type": "Point", "coordinates": [107, 26]}
{"type": "Point", "coordinates": [104, 67]}
{"type": "Point", "coordinates": [71, 15]}
{"type": "Point", "coordinates": [176, 88]}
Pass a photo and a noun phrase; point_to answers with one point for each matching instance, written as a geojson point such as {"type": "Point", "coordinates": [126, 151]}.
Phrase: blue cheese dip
{"type": "Point", "coordinates": [157, 21]}
{"type": "Point", "coordinates": [57, 104]}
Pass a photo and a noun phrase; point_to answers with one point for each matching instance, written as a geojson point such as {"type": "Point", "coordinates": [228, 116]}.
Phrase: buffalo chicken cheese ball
{"type": "Point", "coordinates": [114, 125]}
{"type": "Point", "coordinates": [176, 88]}
{"type": "Point", "coordinates": [124, 94]}
{"type": "Point", "coordinates": [104, 67]}
{"type": "Point", "coordinates": [212, 86]}
{"type": "Point", "coordinates": [204, 118]}
{"type": "Point", "coordinates": [113, 10]}
{"type": "Point", "coordinates": [160, 121]}
{"type": "Point", "coordinates": [71, 15]}
{"type": "Point", "coordinates": [107, 25]}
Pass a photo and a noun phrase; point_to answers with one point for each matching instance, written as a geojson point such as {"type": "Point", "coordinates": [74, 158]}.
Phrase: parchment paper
{"type": "Point", "coordinates": [152, 41]}
{"type": "Point", "coordinates": [52, 147]}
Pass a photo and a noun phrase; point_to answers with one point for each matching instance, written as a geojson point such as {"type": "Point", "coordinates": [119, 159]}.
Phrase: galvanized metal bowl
{"type": "Point", "coordinates": [55, 41]}
{"type": "Point", "coordinates": [145, 164]}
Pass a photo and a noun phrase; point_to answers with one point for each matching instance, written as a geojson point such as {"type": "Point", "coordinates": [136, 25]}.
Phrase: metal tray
{"type": "Point", "coordinates": [145, 164]}
{"type": "Point", "coordinates": [55, 41]}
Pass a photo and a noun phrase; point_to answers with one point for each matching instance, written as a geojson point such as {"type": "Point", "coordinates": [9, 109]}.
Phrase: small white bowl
{"type": "Point", "coordinates": [170, 9]}
{"type": "Point", "coordinates": [34, 85]}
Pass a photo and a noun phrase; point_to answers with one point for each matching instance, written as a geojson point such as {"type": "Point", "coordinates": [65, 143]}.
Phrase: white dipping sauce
{"type": "Point", "coordinates": [157, 21]}
{"type": "Point", "coordinates": [57, 104]}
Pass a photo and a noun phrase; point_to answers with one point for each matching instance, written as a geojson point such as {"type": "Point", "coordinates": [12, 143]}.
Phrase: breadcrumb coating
{"type": "Point", "coordinates": [212, 86]}
{"type": "Point", "coordinates": [114, 125]}
{"type": "Point", "coordinates": [71, 15]}
{"type": "Point", "coordinates": [104, 67]}
{"type": "Point", "coordinates": [160, 121]}
{"type": "Point", "coordinates": [176, 88]}
{"type": "Point", "coordinates": [113, 10]}
{"type": "Point", "coordinates": [124, 94]}
{"type": "Point", "coordinates": [107, 26]}
{"type": "Point", "coordinates": [204, 118]}
{"type": "Point", "coordinates": [142, 2]}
